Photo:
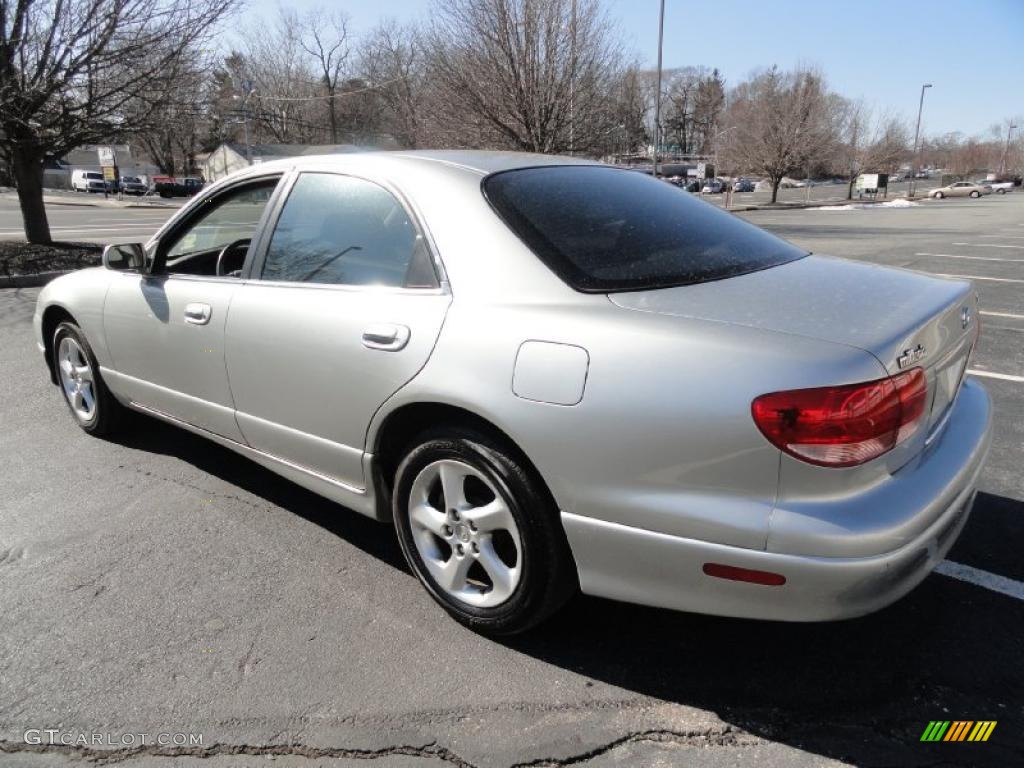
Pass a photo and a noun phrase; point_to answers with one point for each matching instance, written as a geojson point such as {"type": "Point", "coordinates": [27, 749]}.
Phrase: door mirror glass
{"type": "Point", "coordinates": [125, 257]}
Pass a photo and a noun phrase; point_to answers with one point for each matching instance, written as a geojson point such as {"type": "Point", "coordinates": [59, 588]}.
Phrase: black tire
{"type": "Point", "coordinates": [548, 573]}
{"type": "Point", "coordinates": [938, 195]}
{"type": "Point", "coordinates": [108, 413]}
{"type": "Point", "coordinates": [975, 193]}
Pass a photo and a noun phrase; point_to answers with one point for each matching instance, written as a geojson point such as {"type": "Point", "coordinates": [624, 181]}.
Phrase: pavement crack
{"type": "Point", "coordinates": [113, 756]}
{"type": "Point", "coordinates": [728, 736]}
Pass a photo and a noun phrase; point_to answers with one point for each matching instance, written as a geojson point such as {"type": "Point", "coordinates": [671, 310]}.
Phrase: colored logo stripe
{"type": "Point", "coordinates": [935, 730]}
{"type": "Point", "coordinates": [958, 730]}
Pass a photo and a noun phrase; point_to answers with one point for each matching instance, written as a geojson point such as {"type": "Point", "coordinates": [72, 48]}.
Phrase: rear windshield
{"type": "Point", "coordinates": [603, 229]}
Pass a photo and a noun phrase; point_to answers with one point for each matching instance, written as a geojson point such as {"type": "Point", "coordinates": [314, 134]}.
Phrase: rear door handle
{"type": "Point", "coordinates": [390, 337]}
{"type": "Point", "coordinates": [198, 314]}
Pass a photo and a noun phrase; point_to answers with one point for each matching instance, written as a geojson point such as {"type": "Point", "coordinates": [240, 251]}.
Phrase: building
{"type": "Point", "coordinates": [230, 156]}
{"type": "Point", "coordinates": [57, 171]}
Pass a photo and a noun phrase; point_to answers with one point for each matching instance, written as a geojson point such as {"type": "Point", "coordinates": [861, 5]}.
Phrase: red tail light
{"type": "Point", "coordinates": [844, 426]}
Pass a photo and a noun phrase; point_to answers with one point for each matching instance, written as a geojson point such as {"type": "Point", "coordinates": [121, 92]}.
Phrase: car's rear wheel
{"type": "Point", "coordinates": [1001, 191]}
{"type": "Point", "coordinates": [480, 532]}
{"type": "Point", "coordinates": [93, 407]}
{"type": "Point", "coordinates": [938, 195]}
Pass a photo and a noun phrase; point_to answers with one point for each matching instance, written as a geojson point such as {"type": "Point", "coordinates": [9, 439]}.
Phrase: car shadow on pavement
{"type": "Point", "coordinates": [153, 436]}
{"type": "Point", "coordinates": [861, 690]}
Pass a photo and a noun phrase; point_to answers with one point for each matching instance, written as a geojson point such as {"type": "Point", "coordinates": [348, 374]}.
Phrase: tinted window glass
{"type": "Point", "coordinates": [343, 230]}
{"type": "Point", "coordinates": [229, 218]}
{"type": "Point", "coordinates": [603, 229]}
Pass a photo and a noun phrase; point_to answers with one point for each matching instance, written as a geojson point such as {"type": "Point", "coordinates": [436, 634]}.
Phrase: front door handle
{"type": "Point", "coordinates": [198, 314]}
{"type": "Point", "coordinates": [390, 337]}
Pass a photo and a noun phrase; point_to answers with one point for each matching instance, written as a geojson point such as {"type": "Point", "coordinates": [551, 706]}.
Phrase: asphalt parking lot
{"type": "Point", "coordinates": [159, 584]}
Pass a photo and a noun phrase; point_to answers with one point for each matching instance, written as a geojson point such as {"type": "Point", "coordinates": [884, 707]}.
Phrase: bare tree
{"type": "Point", "coordinates": [869, 143]}
{"type": "Point", "coordinates": [535, 72]}
{"type": "Point", "coordinates": [393, 59]}
{"type": "Point", "coordinates": [69, 69]}
{"type": "Point", "coordinates": [785, 121]}
{"type": "Point", "coordinates": [325, 38]}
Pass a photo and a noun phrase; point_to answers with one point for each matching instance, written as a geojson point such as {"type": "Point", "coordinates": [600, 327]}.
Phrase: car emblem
{"type": "Point", "coordinates": [911, 356]}
{"type": "Point", "coordinates": [965, 317]}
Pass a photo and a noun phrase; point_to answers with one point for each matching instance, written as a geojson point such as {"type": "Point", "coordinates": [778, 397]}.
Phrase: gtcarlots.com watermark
{"type": "Point", "coordinates": [55, 736]}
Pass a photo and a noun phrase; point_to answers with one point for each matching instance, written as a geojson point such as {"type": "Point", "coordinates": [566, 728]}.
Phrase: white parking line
{"type": "Point", "coordinates": [979, 277]}
{"type": "Point", "coordinates": [992, 581]}
{"type": "Point", "coordinates": [973, 258]}
{"type": "Point", "coordinates": [1003, 314]}
{"type": "Point", "coordinates": [1006, 237]}
{"type": "Point", "coordinates": [992, 375]}
{"type": "Point", "coordinates": [989, 245]}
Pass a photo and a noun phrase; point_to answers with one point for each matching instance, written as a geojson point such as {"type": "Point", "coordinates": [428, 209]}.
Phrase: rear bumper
{"type": "Point", "coordinates": [640, 566]}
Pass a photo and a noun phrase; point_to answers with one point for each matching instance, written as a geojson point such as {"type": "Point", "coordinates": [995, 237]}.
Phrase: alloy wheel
{"type": "Point", "coordinates": [465, 533]}
{"type": "Point", "coordinates": [77, 379]}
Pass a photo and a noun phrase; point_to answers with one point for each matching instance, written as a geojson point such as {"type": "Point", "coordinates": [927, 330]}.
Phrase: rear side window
{"type": "Point", "coordinates": [346, 231]}
{"type": "Point", "coordinates": [604, 229]}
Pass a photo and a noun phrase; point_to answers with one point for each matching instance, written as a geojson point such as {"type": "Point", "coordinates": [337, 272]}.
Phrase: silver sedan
{"type": "Point", "coordinates": [550, 375]}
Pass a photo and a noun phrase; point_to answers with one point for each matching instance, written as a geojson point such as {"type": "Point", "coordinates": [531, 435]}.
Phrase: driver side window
{"type": "Point", "coordinates": [229, 219]}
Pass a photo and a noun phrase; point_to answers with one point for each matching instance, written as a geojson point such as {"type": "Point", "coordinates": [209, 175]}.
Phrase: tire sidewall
{"type": "Point", "coordinates": [529, 508]}
{"type": "Point", "coordinates": [104, 419]}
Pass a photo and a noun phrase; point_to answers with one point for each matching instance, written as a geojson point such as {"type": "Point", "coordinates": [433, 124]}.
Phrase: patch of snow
{"type": "Point", "coordinates": [898, 203]}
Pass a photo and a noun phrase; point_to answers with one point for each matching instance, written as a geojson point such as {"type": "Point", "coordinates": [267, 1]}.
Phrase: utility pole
{"type": "Point", "coordinates": [657, 94]}
{"type": "Point", "coordinates": [917, 134]}
{"type": "Point", "coordinates": [1006, 149]}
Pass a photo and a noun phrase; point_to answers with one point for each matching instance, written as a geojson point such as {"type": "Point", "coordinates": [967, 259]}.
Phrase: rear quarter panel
{"type": "Point", "coordinates": [663, 438]}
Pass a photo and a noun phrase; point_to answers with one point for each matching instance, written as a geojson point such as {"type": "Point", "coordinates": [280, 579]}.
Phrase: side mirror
{"type": "Point", "coordinates": [126, 257]}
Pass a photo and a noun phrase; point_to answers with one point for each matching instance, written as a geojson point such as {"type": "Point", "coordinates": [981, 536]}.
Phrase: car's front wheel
{"type": "Point", "coordinates": [93, 407]}
{"type": "Point", "coordinates": [975, 193]}
{"type": "Point", "coordinates": [481, 532]}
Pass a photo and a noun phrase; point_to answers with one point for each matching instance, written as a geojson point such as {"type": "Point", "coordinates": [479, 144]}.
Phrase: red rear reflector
{"type": "Point", "coordinates": [844, 426]}
{"type": "Point", "coordinates": [733, 573]}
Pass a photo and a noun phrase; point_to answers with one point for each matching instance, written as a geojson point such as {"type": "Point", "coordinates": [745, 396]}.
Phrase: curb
{"type": "Point", "coordinates": [31, 281]}
{"type": "Point", "coordinates": [819, 204]}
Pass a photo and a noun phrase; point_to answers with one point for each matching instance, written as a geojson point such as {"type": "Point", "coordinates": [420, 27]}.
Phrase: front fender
{"type": "Point", "coordinates": [81, 295]}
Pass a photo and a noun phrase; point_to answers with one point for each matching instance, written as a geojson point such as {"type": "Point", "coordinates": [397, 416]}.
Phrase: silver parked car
{"type": "Point", "coordinates": [550, 375]}
{"type": "Point", "coordinates": [962, 189]}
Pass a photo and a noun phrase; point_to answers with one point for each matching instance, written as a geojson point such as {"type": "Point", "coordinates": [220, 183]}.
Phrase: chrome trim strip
{"type": "Point", "coordinates": [241, 447]}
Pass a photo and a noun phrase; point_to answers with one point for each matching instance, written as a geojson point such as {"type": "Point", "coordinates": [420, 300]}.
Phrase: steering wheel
{"type": "Point", "coordinates": [222, 265]}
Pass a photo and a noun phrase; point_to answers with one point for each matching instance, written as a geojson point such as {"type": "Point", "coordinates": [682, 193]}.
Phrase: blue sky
{"type": "Point", "coordinates": [972, 51]}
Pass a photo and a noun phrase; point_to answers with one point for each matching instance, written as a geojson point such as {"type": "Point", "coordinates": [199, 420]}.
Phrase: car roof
{"type": "Point", "coordinates": [477, 162]}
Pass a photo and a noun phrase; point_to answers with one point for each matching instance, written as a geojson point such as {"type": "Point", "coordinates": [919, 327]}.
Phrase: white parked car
{"type": "Point", "coordinates": [999, 187]}
{"type": "Point", "coordinates": [87, 181]}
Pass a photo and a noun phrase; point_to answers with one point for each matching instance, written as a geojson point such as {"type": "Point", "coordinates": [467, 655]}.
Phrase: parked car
{"type": "Point", "coordinates": [743, 185]}
{"type": "Point", "coordinates": [550, 375]}
{"type": "Point", "coordinates": [133, 185]}
{"type": "Point", "coordinates": [962, 189]}
{"type": "Point", "coordinates": [712, 187]}
{"type": "Point", "coordinates": [166, 186]}
{"type": "Point", "coordinates": [87, 181]}
{"type": "Point", "coordinates": [999, 187]}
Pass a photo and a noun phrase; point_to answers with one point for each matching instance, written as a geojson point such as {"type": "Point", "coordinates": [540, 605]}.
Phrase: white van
{"type": "Point", "coordinates": [87, 181]}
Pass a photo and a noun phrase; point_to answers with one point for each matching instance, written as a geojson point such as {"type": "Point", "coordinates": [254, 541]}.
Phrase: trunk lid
{"type": "Point", "coordinates": [903, 318]}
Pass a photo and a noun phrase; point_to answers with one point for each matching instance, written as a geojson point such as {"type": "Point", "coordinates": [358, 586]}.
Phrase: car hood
{"type": "Point", "coordinates": [878, 309]}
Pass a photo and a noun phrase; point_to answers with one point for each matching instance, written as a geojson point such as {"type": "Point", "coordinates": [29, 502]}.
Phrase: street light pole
{"type": "Point", "coordinates": [917, 135]}
{"type": "Point", "coordinates": [1006, 149]}
{"type": "Point", "coordinates": [657, 94]}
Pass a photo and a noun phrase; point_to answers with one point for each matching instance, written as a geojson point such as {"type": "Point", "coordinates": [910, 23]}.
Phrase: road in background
{"type": "Point", "coordinates": [161, 583]}
{"type": "Point", "coordinates": [89, 223]}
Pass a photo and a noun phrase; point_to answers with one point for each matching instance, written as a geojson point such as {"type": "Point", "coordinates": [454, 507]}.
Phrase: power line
{"type": "Point", "coordinates": [258, 95]}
